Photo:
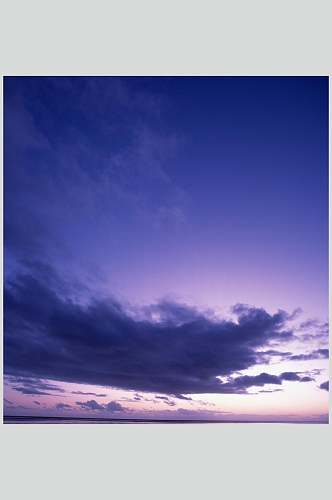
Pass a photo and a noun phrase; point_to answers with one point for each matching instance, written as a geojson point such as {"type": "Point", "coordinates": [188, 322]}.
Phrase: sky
{"type": "Point", "coordinates": [166, 247]}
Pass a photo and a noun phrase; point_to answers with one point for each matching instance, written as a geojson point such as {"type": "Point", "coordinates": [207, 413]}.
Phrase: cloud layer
{"type": "Point", "coordinates": [49, 335]}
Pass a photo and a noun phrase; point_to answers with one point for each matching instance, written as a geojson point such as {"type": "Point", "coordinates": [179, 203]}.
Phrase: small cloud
{"type": "Point", "coordinates": [89, 394]}
{"type": "Point", "coordinates": [114, 406]}
{"type": "Point", "coordinates": [166, 400]}
{"type": "Point", "coordinates": [37, 403]}
{"type": "Point", "coordinates": [90, 405]}
{"type": "Point", "coordinates": [62, 406]}
{"type": "Point", "coordinates": [324, 386]}
{"type": "Point", "coordinates": [26, 390]}
{"type": "Point", "coordinates": [181, 396]}
{"type": "Point", "coordinates": [272, 390]}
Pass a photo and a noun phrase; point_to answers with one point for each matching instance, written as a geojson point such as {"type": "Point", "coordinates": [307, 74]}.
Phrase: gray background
{"type": "Point", "coordinates": [234, 461]}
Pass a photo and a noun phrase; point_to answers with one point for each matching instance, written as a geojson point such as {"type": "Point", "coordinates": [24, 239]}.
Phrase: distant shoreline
{"type": "Point", "coordinates": [21, 419]}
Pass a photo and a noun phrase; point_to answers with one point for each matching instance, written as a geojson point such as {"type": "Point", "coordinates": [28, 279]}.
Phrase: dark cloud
{"type": "Point", "coordinates": [288, 356]}
{"type": "Point", "coordinates": [274, 352]}
{"type": "Point", "coordinates": [25, 390]}
{"type": "Point", "coordinates": [37, 403]}
{"type": "Point", "coordinates": [181, 396]}
{"type": "Point", "coordinates": [290, 376]}
{"type": "Point", "coordinates": [49, 335]}
{"type": "Point", "coordinates": [90, 405]}
{"type": "Point", "coordinates": [307, 379]}
{"type": "Point", "coordinates": [62, 406]}
{"type": "Point", "coordinates": [246, 381]}
{"type": "Point", "coordinates": [89, 394]}
{"type": "Point", "coordinates": [112, 406]}
{"type": "Point", "coordinates": [294, 377]}
{"type": "Point", "coordinates": [324, 386]}
{"type": "Point", "coordinates": [240, 384]}
{"type": "Point", "coordinates": [316, 354]}
{"type": "Point", "coordinates": [28, 385]}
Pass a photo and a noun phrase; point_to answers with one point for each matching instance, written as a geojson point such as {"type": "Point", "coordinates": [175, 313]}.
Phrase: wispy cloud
{"type": "Point", "coordinates": [33, 386]}
{"type": "Point", "coordinates": [89, 394]}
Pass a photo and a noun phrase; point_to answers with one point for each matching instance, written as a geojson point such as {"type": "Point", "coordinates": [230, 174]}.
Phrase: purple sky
{"type": "Point", "coordinates": [140, 215]}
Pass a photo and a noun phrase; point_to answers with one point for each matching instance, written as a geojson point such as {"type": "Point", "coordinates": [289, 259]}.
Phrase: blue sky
{"type": "Point", "coordinates": [195, 192]}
